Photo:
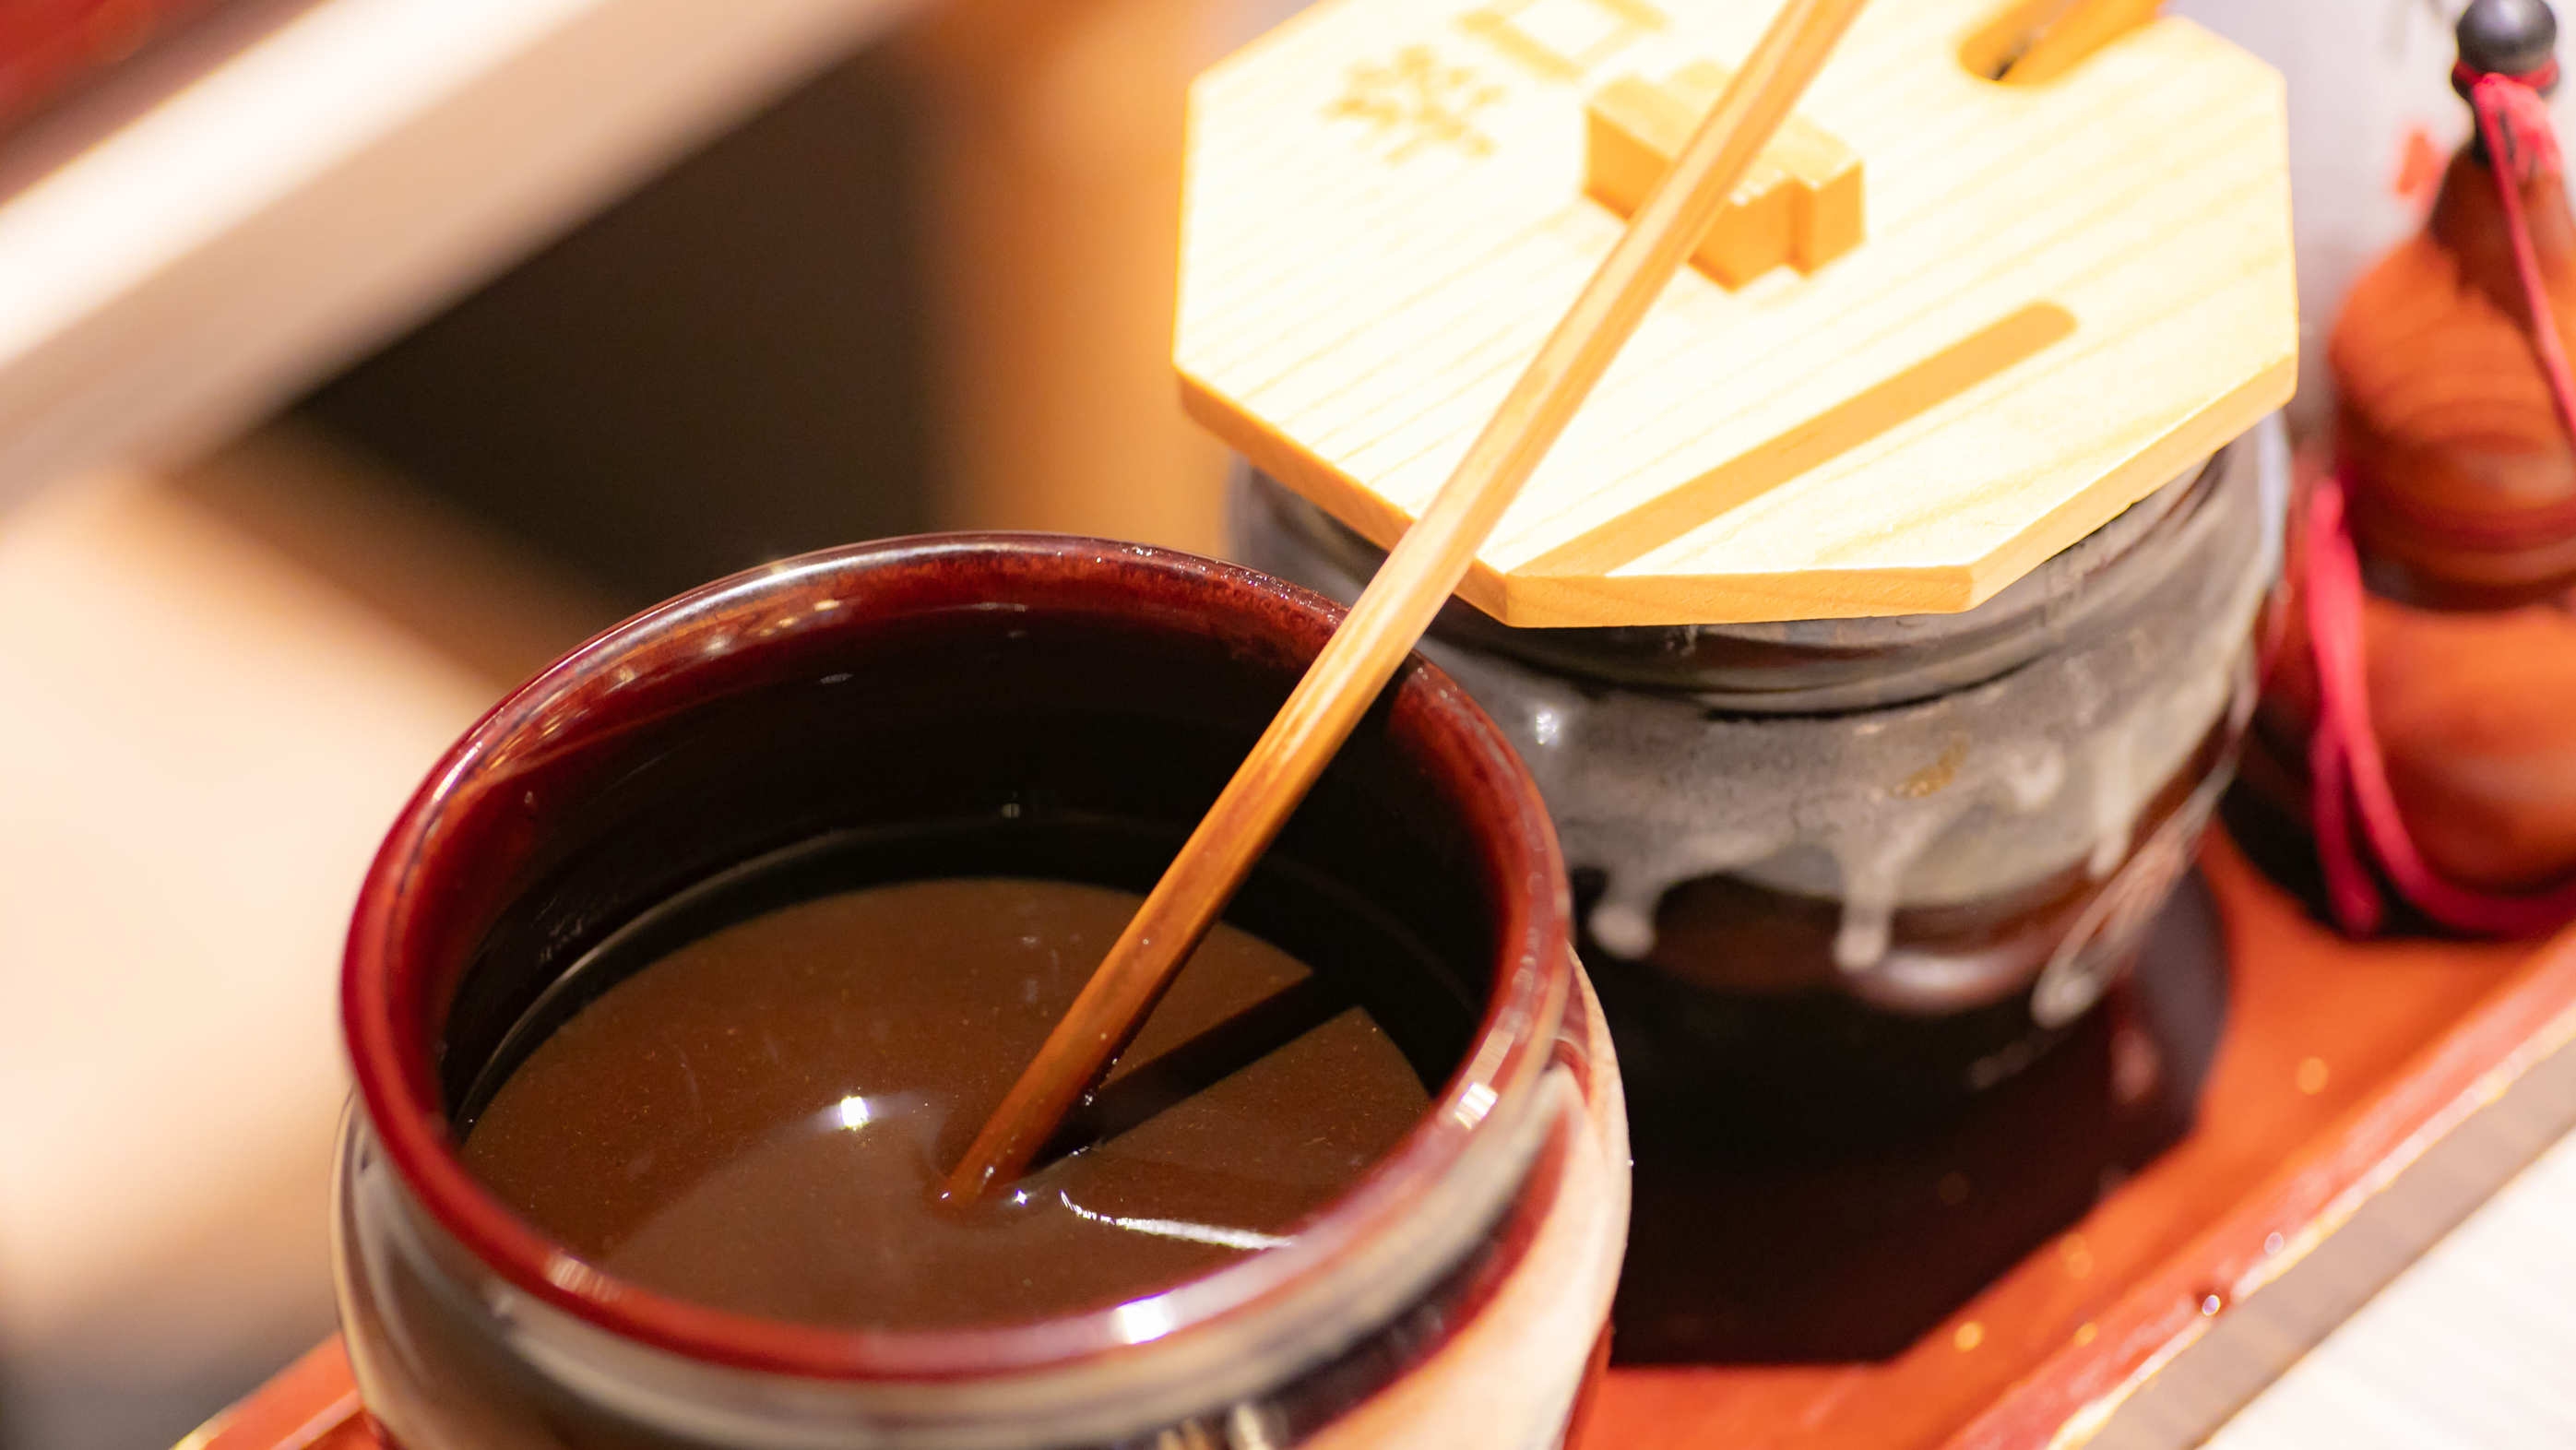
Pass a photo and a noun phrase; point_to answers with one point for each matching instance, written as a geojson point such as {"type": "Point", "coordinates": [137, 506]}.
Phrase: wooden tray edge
{"type": "Point", "coordinates": [2245, 1298]}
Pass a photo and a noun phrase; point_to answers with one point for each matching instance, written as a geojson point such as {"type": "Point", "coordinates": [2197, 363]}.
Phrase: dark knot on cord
{"type": "Point", "coordinates": [2517, 38]}
{"type": "Point", "coordinates": [2514, 134]}
{"type": "Point", "coordinates": [2508, 65]}
{"type": "Point", "coordinates": [2465, 78]}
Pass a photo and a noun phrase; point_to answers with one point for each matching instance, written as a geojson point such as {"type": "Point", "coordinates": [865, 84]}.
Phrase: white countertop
{"type": "Point", "coordinates": [2473, 1347]}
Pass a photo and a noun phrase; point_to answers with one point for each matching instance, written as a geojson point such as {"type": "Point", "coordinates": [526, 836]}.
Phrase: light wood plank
{"type": "Point", "coordinates": [2068, 293]}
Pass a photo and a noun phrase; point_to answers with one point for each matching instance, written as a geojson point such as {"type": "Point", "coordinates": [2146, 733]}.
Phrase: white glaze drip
{"type": "Point", "coordinates": [1970, 794]}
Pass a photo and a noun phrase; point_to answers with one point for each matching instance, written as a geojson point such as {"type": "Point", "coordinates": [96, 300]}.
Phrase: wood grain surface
{"type": "Point", "coordinates": [2068, 292]}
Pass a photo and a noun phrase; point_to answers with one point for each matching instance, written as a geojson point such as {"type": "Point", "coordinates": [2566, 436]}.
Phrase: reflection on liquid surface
{"type": "Point", "coordinates": [759, 1120]}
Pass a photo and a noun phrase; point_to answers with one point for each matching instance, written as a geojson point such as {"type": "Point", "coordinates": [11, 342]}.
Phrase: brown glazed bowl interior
{"type": "Point", "coordinates": [951, 692]}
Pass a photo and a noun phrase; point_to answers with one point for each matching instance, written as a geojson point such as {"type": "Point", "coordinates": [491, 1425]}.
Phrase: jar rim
{"type": "Point", "coordinates": [1823, 665]}
{"type": "Point", "coordinates": [391, 1004]}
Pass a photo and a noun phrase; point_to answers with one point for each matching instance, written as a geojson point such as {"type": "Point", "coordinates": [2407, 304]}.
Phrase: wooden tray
{"type": "Point", "coordinates": [2363, 1099]}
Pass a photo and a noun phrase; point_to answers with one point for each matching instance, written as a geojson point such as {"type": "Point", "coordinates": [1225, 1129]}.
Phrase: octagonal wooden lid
{"type": "Point", "coordinates": [1948, 327]}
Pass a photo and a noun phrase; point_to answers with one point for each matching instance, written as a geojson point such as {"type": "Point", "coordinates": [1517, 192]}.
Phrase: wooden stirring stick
{"type": "Point", "coordinates": [1417, 578]}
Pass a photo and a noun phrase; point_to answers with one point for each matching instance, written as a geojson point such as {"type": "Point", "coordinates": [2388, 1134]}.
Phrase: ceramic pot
{"type": "Point", "coordinates": [1455, 1295]}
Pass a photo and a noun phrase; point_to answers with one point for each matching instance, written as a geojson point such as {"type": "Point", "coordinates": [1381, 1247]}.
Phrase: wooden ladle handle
{"type": "Point", "coordinates": [1418, 576]}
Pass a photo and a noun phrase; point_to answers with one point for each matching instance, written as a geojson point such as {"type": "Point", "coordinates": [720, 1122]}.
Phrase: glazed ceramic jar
{"type": "Point", "coordinates": [1838, 870]}
{"type": "Point", "coordinates": [2421, 724]}
{"type": "Point", "coordinates": [961, 698]}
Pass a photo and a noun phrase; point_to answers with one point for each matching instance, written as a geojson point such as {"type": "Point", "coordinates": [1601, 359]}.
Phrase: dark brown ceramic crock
{"type": "Point", "coordinates": [1839, 877]}
{"type": "Point", "coordinates": [959, 699]}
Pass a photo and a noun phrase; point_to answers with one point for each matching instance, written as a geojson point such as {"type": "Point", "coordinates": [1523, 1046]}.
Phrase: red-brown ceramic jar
{"type": "Point", "coordinates": [1455, 1295]}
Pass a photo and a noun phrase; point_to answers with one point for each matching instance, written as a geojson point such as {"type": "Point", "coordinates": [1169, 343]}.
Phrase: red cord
{"type": "Point", "coordinates": [2513, 119]}
{"type": "Point", "coordinates": [2347, 775]}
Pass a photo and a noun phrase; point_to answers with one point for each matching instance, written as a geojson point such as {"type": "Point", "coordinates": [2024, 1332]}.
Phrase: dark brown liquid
{"type": "Point", "coordinates": [759, 1120]}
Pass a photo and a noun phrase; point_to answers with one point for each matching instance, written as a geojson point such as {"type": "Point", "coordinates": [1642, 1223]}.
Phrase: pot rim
{"type": "Point", "coordinates": [392, 1006]}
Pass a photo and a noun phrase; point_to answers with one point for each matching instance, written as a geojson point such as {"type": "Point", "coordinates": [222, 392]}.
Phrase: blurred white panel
{"type": "Point", "coordinates": [174, 264]}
